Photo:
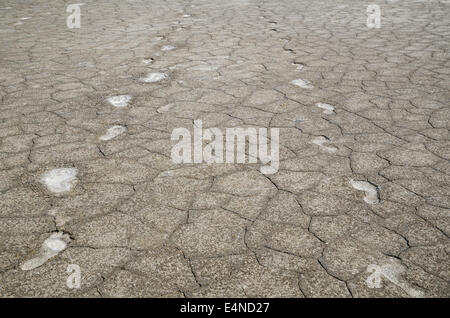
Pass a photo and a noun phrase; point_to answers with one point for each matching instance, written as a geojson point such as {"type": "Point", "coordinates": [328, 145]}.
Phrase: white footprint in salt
{"type": "Point", "coordinates": [167, 48]}
{"type": "Point", "coordinates": [392, 272]}
{"type": "Point", "coordinates": [328, 109]}
{"type": "Point", "coordinates": [299, 66]}
{"type": "Point", "coordinates": [113, 132]}
{"type": "Point", "coordinates": [147, 61]}
{"type": "Point", "coordinates": [320, 140]}
{"type": "Point", "coordinates": [56, 243]}
{"type": "Point", "coordinates": [303, 83]}
{"type": "Point", "coordinates": [186, 15]}
{"type": "Point", "coordinates": [371, 191]}
{"type": "Point", "coordinates": [119, 101]}
{"type": "Point", "coordinates": [60, 180]}
{"type": "Point", "coordinates": [165, 108]}
{"type": "Point", "coordinates": [154, 77]}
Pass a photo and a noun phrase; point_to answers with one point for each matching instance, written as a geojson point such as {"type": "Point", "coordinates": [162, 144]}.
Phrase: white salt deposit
{"type": "Point", "coordinates": [303, 83]}
{"type": "Point", "coordinates": [299, 66]}
{"type": "Point", "coordinates": [328, 109]}
{"type": "Point", "coordinates": [165, 108]}
{"type": "Point", "coordinates": [320, 140]}
{"type": "Point", "coordinates": [167, 48]}
{"type": "Point", "coordinates": [371, 191]}
{"type": "Point", "coordinates": [112, 132]}
{"type": "Point", "coordinates": [392, 272]}
{"type": "Point", "coordinates": [154, 77]}
{"type": "Point", "coordinates": [59, 180]}
{"type": "Point", "coordinates": [120, 100]}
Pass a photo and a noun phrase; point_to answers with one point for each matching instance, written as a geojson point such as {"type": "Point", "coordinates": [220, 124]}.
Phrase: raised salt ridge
{"type": "Point", "coordinates": [51, 247]}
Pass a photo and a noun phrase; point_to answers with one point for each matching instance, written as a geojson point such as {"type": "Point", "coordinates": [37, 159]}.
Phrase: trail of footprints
{"type": "Point", "coordinates": [371, 191]}
{"type": "Point", "coordinates": [62, 180]}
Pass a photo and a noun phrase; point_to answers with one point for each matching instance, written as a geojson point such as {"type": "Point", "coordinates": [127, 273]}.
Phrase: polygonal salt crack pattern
{"type": "Point", "coordinates": [359, 205]}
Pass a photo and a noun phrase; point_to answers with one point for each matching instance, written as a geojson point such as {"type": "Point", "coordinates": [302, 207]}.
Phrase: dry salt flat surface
{"type": "Point", "coordinates": [358, 208]}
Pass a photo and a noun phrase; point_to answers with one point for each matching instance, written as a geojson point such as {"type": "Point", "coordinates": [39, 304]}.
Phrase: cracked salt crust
{"type": "Point", "coordinates": [328, 109]}
{"type": "Point", "coordinates": [167, 48]}
{"type": "Point", "coordinates": [320, 141]}
{"type": "Point", "coordinates": [303, 83]}
{"type": "Point", "coordinates": [204, 68]}
{"type": "Point", "coordinates": [60, 179]}
{"type": "Point", "coordinates": [393, 272]}
{"type": "Point", "coordinates": [154, 77]}
{"type": "Point", "coordinates": [371, 191]}
{"type": "Point", "coordinates": [112, 132]}
{"type": "Point", "coordinates": [51, 247]}
{"type": "Point", "coordinates": [120, 100]}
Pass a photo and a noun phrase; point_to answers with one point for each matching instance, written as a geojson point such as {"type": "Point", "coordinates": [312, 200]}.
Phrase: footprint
{"type": "Point", "coordinates": [119, 101]}
{"type": "Point", "coordinates": [392, 272]}
{"type": "Point", "coordinates": [56, 243]}
{"type": "Point", "coordinates": [299, 66]}
{"type": "Point", "coordinates": [112, 132]}
{"type": "Point", "coordinates": [320, 140]}
{"type": "Point", "coordinates": [167, 48]}
{"type": "Point", "coordinates": [147, 61]}
{"type": "Point", "coordinates": [372, 195]}
{"type": "Point", "coordinates": [154, 77]}
{"type": "Point", "coordinates": [186, 15]}
{"type": "Point", "coordinates": [60, 179]}
{"type": "Point", "coordinates": [328, 109]}
{"type": "Point", "coordinates": [303, 83]}
{"type": "Point", "coordinates": [165, 108]}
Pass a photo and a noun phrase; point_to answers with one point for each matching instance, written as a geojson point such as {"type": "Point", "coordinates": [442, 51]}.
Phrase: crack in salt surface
{"type": "Point", "coordinates": [303, 83]}
{"type": "Point", "coordinates": [120, 100]}
{"type": "Point", "coordinates": [328, 109]}
{"type": "Point", "coordinates": [154, 77]}
{"type": "Point", "coordinates": [371, 191]}
{"type": "Point", "coordinates": [60, 179]}
{"type": "Point", "coordinates": [393, 272]}
{"type": "Point", "coordinates": [113, 132]}
{"type": "Point", "coordinates": [56, 243]}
